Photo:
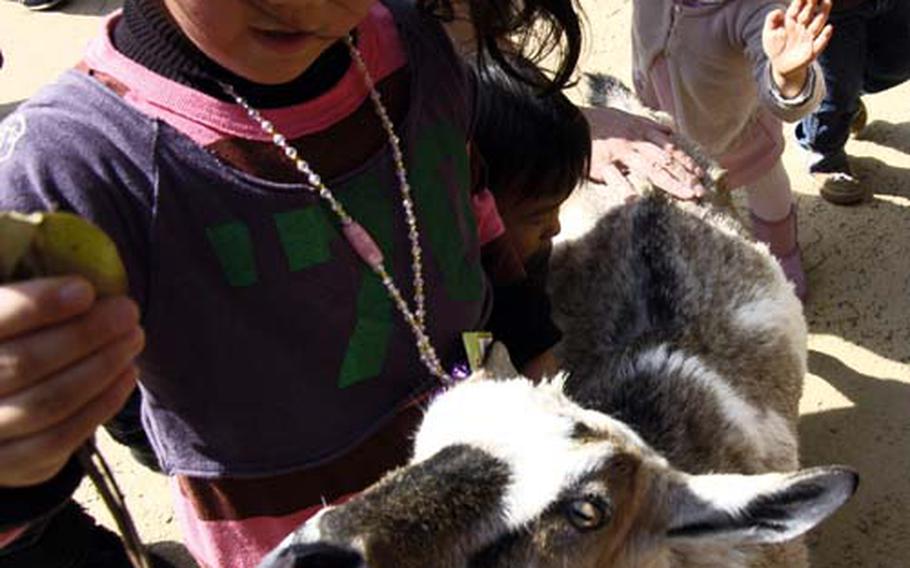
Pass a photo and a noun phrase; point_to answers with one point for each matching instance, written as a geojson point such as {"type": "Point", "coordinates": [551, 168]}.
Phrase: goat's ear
{"type": "Point", "coordinates": [497, 364]}
{"type": "Point", "coordinates": [765, 508]}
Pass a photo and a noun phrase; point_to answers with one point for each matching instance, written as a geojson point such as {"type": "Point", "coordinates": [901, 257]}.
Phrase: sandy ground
{"type": "Point", "coordinates": [856, 406]}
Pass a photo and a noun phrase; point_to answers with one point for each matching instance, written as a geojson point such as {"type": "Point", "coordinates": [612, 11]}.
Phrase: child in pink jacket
{"type": "Point", "coordinates": [729, 71]}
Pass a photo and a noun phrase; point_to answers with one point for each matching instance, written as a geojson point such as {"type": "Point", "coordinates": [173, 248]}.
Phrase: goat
{"type": "Point", "coordinates": [685, 349]}
{"type": "Point", "coordinates": [669, 442]}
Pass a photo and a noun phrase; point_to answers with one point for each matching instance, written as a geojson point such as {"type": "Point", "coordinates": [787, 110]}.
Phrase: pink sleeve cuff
{"type": "Point", "coordinates": [489, 223]}
{"type": "Point", "coordinates": [8, 536]}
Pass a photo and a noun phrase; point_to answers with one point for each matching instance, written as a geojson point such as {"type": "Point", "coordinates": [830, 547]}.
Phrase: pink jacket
{"type": "Point", "coordinates": [705, 65]}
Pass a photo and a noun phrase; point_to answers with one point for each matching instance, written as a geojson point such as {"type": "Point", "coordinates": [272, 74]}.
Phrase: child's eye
{"type": "Point", "coordinates": [542, 218]}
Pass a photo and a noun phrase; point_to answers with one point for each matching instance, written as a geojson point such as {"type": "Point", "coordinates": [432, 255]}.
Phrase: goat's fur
{"type": "Point", "coordinates": [685, 350]}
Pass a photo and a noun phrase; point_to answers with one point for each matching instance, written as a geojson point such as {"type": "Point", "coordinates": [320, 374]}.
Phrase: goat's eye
{"type": "Point", "coordinates": [588, 514]}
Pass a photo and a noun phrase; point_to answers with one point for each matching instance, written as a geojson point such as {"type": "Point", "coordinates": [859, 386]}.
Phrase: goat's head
{"type": "Point", "coordinates": [507, 473]}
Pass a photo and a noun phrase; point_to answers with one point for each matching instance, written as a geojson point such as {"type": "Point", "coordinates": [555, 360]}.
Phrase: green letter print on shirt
{"type": "Point", "coordinates": [446, 217]}
{"type": "Point", "coordinates": [234, 249]}
{"type": "Point", "coordinates": [439, 176]}
{"type": "Point", "coordinates": [369, 342]}
{"type": "Point", "coordinates": [439, 162]}
{"type": "Point", "coordinates": [305, 236]}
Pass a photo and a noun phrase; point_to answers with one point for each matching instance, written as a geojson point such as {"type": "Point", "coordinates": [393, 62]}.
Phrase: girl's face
{"type": "Point", "coordinates": [266, 41]}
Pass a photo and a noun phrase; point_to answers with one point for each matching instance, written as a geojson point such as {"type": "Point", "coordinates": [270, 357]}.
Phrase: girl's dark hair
{"type": "Point", "coordinates": [533, 29]}
{"type": "Point", "coordinates": [536, 144]}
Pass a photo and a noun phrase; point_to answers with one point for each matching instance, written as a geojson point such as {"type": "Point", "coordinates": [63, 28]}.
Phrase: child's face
{"type": "Point", "coordinates": [531, 223]}
{"type": "Point", "coordinates": [266, 41]}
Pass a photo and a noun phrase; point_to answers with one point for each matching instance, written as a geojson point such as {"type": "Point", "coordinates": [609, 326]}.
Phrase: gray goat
{"type": "Point", "coordinates": [669, 442]}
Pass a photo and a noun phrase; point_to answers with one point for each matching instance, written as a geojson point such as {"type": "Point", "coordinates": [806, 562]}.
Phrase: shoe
{"type": "Point", "coordinates": [860, 118]}
{"type": "Point", "coordinates": [781, 238]}
{"type": "Point", "coordinates": [38, 5]}
{"type": "Point", "coordinates": [840, 188]}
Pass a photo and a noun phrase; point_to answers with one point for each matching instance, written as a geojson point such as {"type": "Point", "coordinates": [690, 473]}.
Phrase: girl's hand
{"type": "Point", "coordinates": [624, 143]}
{"type": "Point", "coordinates": [793, 39]}
{"type": "Point", "coordinates": [66, 366]}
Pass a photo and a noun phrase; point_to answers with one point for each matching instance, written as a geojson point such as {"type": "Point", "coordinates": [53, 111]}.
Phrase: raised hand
{"type": "Point", "coordinates": [793, 39]}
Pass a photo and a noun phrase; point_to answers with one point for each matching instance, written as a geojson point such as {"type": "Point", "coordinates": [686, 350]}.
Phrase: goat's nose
{"type": "Point", "coordinates": [315, 555]}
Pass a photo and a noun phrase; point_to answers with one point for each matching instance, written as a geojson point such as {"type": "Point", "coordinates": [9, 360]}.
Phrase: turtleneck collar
{"type": "Point", "coordinates": [147, 35]}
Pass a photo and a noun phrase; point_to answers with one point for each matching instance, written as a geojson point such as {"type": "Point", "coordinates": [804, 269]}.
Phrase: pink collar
{"type": "Point", "coordinates": [207, 120]}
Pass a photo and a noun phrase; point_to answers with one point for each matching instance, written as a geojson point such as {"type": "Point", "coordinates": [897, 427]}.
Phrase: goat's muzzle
{"type": "Point", "coordinates": [313, 555]}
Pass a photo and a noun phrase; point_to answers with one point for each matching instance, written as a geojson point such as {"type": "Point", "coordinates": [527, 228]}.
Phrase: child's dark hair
{"type": "Point", "coordinates": [538, 144]}
{"type": "Point", "coordinates": [534, 29]}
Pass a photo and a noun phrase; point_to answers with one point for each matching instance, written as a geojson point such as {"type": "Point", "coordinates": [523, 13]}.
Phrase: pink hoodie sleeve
{"type": "Point", "coordinates": [489, 223]}
{"type": "Point", "coordinates": [8, 536]}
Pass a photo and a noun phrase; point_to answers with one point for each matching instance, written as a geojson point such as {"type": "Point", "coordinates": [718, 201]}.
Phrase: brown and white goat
{"type": "Point", "coordinates": [669, 442]}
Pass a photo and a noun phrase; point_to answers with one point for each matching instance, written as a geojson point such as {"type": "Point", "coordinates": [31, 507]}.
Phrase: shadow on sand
{"type": "Point", "coordinates": [7, 108]}
{"type": "Point", "coordinates": [883, 178]}
{"type": "Point", "coordinates": [857, 263]}
{"type": "Point", "coordinates": [884, 133]}
{"type": "Point", "coordinates": [173, 552]}
{"type": "Point", "coordinates": [872, 436]}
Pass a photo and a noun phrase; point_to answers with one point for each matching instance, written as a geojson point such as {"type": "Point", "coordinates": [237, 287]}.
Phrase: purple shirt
{"type": "Point", "coordinates": [271, 347]}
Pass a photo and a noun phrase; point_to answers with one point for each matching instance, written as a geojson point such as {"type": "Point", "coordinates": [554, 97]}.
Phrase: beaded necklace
{"type": "Point", "coordinates": [357, 236]}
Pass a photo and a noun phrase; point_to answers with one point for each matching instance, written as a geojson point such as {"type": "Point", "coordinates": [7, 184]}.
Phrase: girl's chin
{"type": "Point", "coordinates": [283, 43]}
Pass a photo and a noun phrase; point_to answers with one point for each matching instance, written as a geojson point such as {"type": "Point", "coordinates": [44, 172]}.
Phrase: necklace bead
{"type": "Point", "coordinates": [362, 243]}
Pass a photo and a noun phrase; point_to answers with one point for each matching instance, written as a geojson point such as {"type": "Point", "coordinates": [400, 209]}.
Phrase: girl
{"type": "Point", "coordinates": [729, 71]}
{"type": "Point", "coordinates": [534, 150]}
{"type": "Point", "coordinates": [287, 183]}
